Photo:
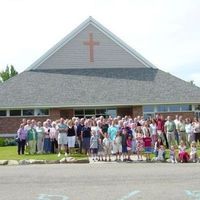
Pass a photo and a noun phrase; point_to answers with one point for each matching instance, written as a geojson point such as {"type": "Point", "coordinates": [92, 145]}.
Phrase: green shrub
{"type": "Point", "coordinates": [2, 142]}
{"type": "Point", "coordinates": [7, 142]}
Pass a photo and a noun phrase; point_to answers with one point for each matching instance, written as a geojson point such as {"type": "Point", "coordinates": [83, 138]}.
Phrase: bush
{"type": "Point", "coordinates": [2, 142]}
{"type": "Point", "coordinates": [7, 142]}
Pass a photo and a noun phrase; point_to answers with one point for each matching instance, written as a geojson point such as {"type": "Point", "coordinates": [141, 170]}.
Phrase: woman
{"type": "Point", "coordinates": [85, 136]}
{"type": "Point", "coordinates": [71, 136]}
{"type": "Point", "coordinates": [47, 144]}
{"type": "Point", "coordinates": [53, 137]}
{"type": "Point", "coordinates": [21, 135]}
{"type": "Point", "coordinates": [40, 140]}
{"type": "Point", "coordinates": [32, 139]}
{"type": "Point", "coordinates": [196, 130]}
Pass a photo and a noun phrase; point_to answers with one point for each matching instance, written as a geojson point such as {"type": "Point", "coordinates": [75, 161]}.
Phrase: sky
{"type": "Point", "coordinates": [165, 32]}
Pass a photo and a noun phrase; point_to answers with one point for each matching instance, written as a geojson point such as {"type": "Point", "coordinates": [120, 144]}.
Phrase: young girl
{"type": "Point", "coordinates": [117, 148]}
{"type": "Point", "coordinates": [100, 150]}
{"type": "Point", "coordinates": [193, 152]}
{"type": "Point", "coordinates": [139, 146]}
{"type": "Point", "coordinates": [161, 153]}
{"type": "Point", "coordinates": [172, 155]}
{"type": "Point", "coordinates": [129, 146]}
{"type": "Point", "coordinates": [183, 155]}
{"type": "Point", "coordinates": [157, 146]}
{"type": "Point", "coordinates": [147, 145]}
{"type": "Point", "coordinates": [94, 145]}
{"type": "Point", "coordinates": [107, 144]}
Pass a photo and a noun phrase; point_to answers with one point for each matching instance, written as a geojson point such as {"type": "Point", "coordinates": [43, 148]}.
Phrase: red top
{"type": "Point", "coordinates": [147, 141]}
{"type": "Point", "coordinates": [160, 124]}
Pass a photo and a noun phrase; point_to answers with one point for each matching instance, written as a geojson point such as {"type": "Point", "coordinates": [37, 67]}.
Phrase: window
{"type": "Point", "coordinates": [3, 113]}
{"type": "Point", "coordinates": [90, 112]}
{"type": "Point", "coordinates": [79, 112]}
{"type": "Point", "coordinates": [15, 112]}
{"type": "Point", "coordinates": [112, 112]}
{"type": "Point", "coordinates": [174, 108]}
{"type": "Point", "coordinates": [186, 107]}
{"type": "Point", "coordinates": [101, 111]}
{"type": "Point", "coordinates": [41, 112]}
{"type": "Point", "coordinates": [148, 108]}
{"type": "Point", "coordinates": [197, 107]}
{"type": "Point", "coordinates": [162, 108]}
{"type": "Point", "coordinates": [149, 116]}
{"type": "Point", "coordinates": [28, 112]}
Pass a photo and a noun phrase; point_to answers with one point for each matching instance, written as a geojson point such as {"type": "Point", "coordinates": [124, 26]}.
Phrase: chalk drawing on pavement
{"type": "Point", "coordinates": [195, 195]}
{"type": "Point", "coordinates": [52, 197]}
{"type": "Point", "coordinates": [129, 195]}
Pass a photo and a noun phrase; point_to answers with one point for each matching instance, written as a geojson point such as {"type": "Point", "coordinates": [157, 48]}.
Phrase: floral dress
{"type": "Point", "coordinates": [139, 143]}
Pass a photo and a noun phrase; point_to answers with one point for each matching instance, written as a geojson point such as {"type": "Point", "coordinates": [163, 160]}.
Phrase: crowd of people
{"type": "Point", "coordinates": [102, 137]}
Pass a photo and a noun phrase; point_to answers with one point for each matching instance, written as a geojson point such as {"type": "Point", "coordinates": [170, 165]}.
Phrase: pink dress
{"type": "Point", "coordinates": [139, 144]}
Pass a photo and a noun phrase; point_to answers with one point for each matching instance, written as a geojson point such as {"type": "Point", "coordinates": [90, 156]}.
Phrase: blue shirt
{"type": "Point", "coordinates": [112, 132]}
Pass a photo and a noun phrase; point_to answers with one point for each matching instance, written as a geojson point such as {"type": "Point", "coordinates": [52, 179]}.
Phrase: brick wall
{"type": "Point", "coordinates": [67, 113]}
{"type": "Point", "coordinates": [11, 124]}
{"type": "Point", "coordinates": [137, 111]}
{"type": "Point", "coordinates": [184, 114]}
{"type": "Point", "coordinates": [124, 111]}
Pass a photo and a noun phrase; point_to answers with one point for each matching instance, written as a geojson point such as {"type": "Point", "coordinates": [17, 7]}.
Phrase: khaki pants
{"type": "Point", "coordinates": [171, 138]}
{"type": "Point", "coordinates": [32, 146]}
{"type": "Point", "coordinates": [182, 136]}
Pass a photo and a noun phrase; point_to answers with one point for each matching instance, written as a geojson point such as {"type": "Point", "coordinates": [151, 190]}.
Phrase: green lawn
{"type": "Point", "coordinates": [10, 153]}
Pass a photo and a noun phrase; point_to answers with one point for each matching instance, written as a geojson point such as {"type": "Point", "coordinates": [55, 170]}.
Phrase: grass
{"type": "Point", "coordinates": [10, 153]}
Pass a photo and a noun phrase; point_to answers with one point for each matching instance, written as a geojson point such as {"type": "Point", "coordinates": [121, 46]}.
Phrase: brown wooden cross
{"type": "Point", "coordinates": [91, 43]}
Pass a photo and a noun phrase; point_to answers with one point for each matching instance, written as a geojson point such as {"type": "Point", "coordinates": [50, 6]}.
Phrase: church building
{"type": "Point", "coordinates": [91, 72]}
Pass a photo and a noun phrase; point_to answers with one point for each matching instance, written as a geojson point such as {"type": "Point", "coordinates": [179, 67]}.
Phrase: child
{"type": "Point", "coordinates": [172, 155]}
{"type": "Point", "coordinates": [107, 144]}
{"type": "Point", "coordinates": [117, 149]}
{"type": "Point", "coordinates": [193, 152]}
{"type": "Point", "coordinates": [129, 146]}
{"type": "Point", "coordinates": [183, 155]}
{"type": "Point", "coordinates": [161, 153]}
{"type": "Point", "coordinates": [157, 146]}
{"type": "Point", "coordinates": [94, 145]}
{"type": "Point", "coordinates": [100, 150]}
{"type": "Point", "coordinates": [139, 146]}
{"type": "Point", "coordinates": [124, 145]}
{"type": "Point", "coordinates": [147, 145]}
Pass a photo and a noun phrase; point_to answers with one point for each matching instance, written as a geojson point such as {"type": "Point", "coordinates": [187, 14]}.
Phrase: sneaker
{"type": "Point", "coordinates": [58, 154]}
{"type": "Point", "coordinates": [65, 154]}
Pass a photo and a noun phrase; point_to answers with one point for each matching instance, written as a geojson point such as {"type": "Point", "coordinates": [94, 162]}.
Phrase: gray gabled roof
{"type": "Point", "coordinates": [95, 87]}
{"type": "Point", "coordinates": [71, 53]}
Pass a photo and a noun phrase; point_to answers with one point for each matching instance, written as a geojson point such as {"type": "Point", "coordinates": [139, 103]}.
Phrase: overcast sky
{"type": "Point", "coordinates": [166, 32]}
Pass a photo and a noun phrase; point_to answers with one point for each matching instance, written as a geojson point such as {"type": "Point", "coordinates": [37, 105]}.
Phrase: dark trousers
{"type": "Point", "coordinates": [21, 146]}
{"type": "Point", "coordinates": [54, 145]}
{"type": "Point", "coordinates": [167, 144]}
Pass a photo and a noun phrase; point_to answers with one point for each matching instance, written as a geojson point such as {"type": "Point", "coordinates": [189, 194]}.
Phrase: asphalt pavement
{"type": "Point", "coordinates": [100, 181]}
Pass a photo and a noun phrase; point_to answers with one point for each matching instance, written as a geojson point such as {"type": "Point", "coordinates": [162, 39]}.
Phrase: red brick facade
{"type": "Point", "coordinates": [11, 124]}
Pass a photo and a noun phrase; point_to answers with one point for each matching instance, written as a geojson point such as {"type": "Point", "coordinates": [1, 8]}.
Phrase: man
{"type": "Point", "coordinates": [181, 130]}
{"type": "Point", "coordinates": [78, 130]}
{"type": "Point", "coordinates": [170, 130]}
{"type": "Point", "coordinates": [62, 136]}
{"type": "Point", "coordinates": [176, 121]}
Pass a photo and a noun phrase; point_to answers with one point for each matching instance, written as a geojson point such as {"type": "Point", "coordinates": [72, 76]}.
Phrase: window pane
{"type": "Point", "coordinates": [148, 115]}
{"type": "Point", "coordinates": [100, 111]}
{"type": "Point", "coordinates": [79, 112]}
{"type": "Point", "coordinates": [148, 108]}
{"type": "Point", "coordinates": [90, 112]}
{"type": "Point", "coordinates": [2, 112]}
{"type": "Point", "coordinates": [186, 107]}
{"type": "Point", "coordinates": [111, 112]}
{"type": "Point", "coordinates": [28, 112]}
{"type": "Point", "coordinates": [162, 108]}
{"type": "Point", "coordinates": [174, 108]}
{"type": "Point", "coordinates": [197, 107]}
{"type": "Point", "coordinates": [15, 112]}
{"type": "Point", "coordinates": [42, 112]}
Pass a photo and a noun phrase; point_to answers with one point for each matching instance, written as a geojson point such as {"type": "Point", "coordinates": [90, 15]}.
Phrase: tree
{"type": "Point", "coordinates": [8, 73]}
